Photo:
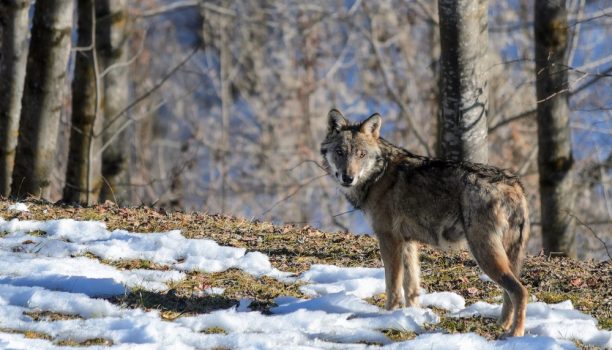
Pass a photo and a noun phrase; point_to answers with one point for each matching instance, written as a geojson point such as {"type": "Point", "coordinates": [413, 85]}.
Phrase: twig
{"type": "Point", "coordinates": [529, 113]}
{"type": "Point", "coordinates": [308, 161]}
{"type": "Point", "coordinates": [177, 5]}
{"type": "Point", "coordinates": [130, 60]}
{"type": "Point", "coordinates": [345, 212]}
{"type": "Point", "coordinates": [388, 85]}
{"type": "Point", "coordinates": [575, 34]}
{"type": "Point", "coordinates": [110, 188]}
{"type": "Point", "coordinates": [148, 93]}
{"type": "Point", "coordinates": [592, 81]}
{"type": "Point", "coordinates": [511, 119]}
{"type": "Point", "coordinates": [292, 193]}
{"type": "Point", "coordinates": [523, 169]}
{"type": "Point", "coordinates": [592, 231]}
{"type": "Point", "coordinates": [144, 115]}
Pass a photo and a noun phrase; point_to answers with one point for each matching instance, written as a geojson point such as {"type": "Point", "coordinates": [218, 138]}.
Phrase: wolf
{"type": "Point", "coordinates": [410, 199]}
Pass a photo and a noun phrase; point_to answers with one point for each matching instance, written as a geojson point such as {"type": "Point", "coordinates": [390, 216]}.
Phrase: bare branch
{"type": "Point", "coordinates": [142, 97]}
{"type": "Point", "coordinates": [394, 95]}
{"type": "Point", "coordinates": [174, 6]}
{"type": "Point", "coordinates": [522, 115]}
{"type": "Point", "coordinates": [592, 231]}
{"type": "Point", "coordinates": [300, 186]}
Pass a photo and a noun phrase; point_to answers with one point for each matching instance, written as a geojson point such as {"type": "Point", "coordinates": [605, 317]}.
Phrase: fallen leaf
{"type": "Point", "coordinates": [576, 282]}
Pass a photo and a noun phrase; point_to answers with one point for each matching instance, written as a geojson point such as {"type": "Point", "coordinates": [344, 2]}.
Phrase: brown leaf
{"type": "Point", "coordinates": [591, 282]}
{"type": "Point", "coordinates": [576, 282]}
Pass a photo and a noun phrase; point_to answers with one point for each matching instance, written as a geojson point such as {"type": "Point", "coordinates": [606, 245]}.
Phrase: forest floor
{"type": "Point", "coordinates": [296, 249]}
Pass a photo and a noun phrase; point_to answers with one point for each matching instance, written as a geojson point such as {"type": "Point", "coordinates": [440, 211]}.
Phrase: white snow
{"type": "Point", "coordinates": [78, 275]}
{"type": "Point", "coordinates": [483, 277]}
{"type": "Point", "coordinates": [214, 291]}
{"type": "Point", "coordinates": [53, 252]}
{"type": "Point", "coordinates": [364, 283]}
{"type": "Point", "coordinates": [52, 272]}
{"type": "Point", "coordinates": [359, 281]}
{"type": "Point", "coordinates": [18, 207]}
{"type": "Point", "coordinates": [554, 320]}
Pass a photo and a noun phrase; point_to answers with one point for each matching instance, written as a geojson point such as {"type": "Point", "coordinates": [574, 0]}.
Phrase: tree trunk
{"type": "Point", "coordinates": [112, 50]}
{"type": "Point", "coordinates": [83, 171]}
{"type": "Point", "coordinates": [13, 58]}
{"type": "Point", "coordinates": [226, 105]}
{"type": "Point", "coordinates": [554, 140]}
{"type": "Point", "coordinates": [42, 97]}
{"type": "Point", "coordinates": [462, 125]}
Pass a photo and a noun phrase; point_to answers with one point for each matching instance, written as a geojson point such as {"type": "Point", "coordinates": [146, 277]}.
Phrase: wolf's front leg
{"type": "Point", "coordinates": [412, 273]}
{"type": "Point", "coordinates": [391, 251]}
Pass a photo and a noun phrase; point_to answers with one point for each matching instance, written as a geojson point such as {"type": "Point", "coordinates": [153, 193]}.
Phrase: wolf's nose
{"type": "Point", "coordinates": [347, 179]}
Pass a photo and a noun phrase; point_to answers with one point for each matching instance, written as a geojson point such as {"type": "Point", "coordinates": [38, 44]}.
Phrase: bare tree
{"type": "Point", "coordinates": [555, 158]}
{"type": "Point", "coordinates": [244, 131]}
{"type": "Point", "coordinates": [13, 58]}
{"type": "Point", "coordinates": [462, 126]}
{"type": "Point", "coordinates": [111, 41]}
{"type": "Point", "coordinates": [42, 97]}
{"type": "Point", "coordinates": [83, 171]}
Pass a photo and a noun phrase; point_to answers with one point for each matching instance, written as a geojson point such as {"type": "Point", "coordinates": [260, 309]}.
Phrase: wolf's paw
{"type": "Point", "coordinates": [412, 301]}
{"type": "Point", "coordinates": [505, 323]}
{"type": "Point", "coordinates": [513, 333]}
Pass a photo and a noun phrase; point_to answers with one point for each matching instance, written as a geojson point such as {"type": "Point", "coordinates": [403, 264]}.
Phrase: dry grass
{"type": "Point", "coordinates": [49, 316]}
{"type": "Point", "coordinates": [295, 248]}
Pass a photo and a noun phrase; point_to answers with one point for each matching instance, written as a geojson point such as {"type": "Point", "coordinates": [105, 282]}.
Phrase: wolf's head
{"type": "Point", "coordinates": [350, 151]}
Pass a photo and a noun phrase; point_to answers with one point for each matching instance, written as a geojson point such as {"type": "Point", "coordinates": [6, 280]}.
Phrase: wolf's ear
{"type": "Point", "coordinates": [335, 121]}
{"type": "Point", "coordinates": [371, 126]}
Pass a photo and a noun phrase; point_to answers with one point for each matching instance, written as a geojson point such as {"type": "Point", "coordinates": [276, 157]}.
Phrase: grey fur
{"type": "Point", "coordinates": [409, 198]}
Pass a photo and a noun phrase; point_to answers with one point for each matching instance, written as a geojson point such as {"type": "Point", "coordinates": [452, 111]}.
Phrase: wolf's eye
{"type": "Point", "coordinates": [362, 154]}
{"type": "Point", "coordinates": [339, 152]}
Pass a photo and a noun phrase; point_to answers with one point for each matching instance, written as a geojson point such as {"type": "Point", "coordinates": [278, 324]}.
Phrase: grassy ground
{"type": "Point", "coordinates": [291, 248]}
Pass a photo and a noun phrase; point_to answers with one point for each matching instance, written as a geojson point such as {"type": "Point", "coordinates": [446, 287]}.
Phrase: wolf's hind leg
{"type": "Point", "coordinates": [515, 251]}
{"type": "Point", "coordinates": [492, 259]}
{"type": "Point", "coordinates": [412, 272]}
{"type": "Point", "coordinates": [507, 313]}
{"type": "Point", "coordinates": [391, 251]}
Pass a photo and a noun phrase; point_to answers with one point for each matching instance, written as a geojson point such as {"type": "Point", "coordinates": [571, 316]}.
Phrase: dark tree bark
{"type": "Point", "coordinates": [42, 97]}
{"type": "Point", "coordinates": [112, 51]}
{"type": "Point", "coordinates": [83, 171]}
{"type": "Point", "coordinates": [554, 140]}
{"type": "Point", "coordinates": [462, 122]}
{"type": "Point", "coordinates": [13, 57]}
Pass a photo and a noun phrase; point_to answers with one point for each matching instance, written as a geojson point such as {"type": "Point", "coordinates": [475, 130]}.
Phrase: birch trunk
{"type": "Point", "coordinates": [13, 58]}
{"type": "Point", "coordinates": [554, 139]}
{"type": "Point", "coordinates": [83, 171]}
{"type": "Point", "coordinates": [112, 51]}
{"type": "Point", "coordinates": [46, 72]}
{"type": "Point", "coordinates": [462, 125]}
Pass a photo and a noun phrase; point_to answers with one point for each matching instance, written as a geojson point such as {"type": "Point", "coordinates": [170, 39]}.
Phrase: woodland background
{"type": "Point", "coordinates": [220, 106]}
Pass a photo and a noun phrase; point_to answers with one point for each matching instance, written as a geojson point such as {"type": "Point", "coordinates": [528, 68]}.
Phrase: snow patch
{"type": "Point", "coordinates": [18, 207]}
{"type": "Point", "coordinates": [66, 238]}
{"type": "Point", "coordinates": [48, 272]}
{"type": "Point", "coordinates": [551, 320]}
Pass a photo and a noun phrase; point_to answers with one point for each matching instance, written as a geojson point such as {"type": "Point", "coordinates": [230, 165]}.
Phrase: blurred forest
{"type": "Point", "coordinates": [220, 106]}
